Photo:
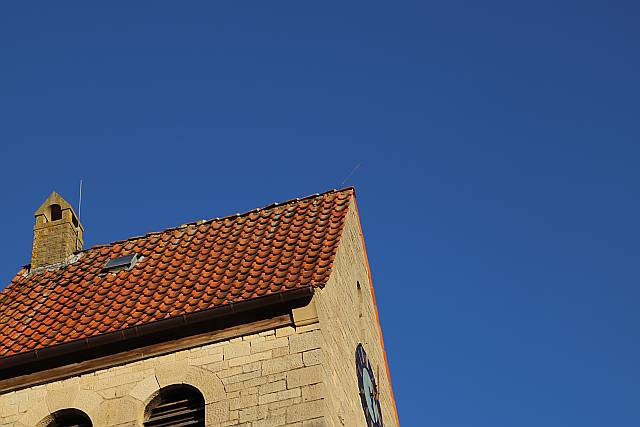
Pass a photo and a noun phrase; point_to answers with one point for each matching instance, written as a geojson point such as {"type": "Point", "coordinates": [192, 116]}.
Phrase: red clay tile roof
{"type": "Point", "coordinates": [183, 270]}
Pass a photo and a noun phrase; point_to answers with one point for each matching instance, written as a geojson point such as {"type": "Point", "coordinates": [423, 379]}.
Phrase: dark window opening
{"type": "Point", "coordinates": [74, 220]}
{"type": "Point", "coordinates": [70, 418]}
{"type": "Point", "coordinates": [56, 212]}
{"type": "Point", "coordinates": [177, 405]}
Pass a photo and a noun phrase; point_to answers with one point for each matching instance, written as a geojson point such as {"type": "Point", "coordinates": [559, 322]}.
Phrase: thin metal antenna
{"type": "Point", "coordinates": [80, 200]}
{"type": "Point", "coordinates": [350, 173]}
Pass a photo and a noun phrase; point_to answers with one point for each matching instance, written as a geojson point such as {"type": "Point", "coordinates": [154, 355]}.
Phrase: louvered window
{"type": "Point", "coordinates": [70, 418]}
{"type": "Point", "coordinates": [176, 406]}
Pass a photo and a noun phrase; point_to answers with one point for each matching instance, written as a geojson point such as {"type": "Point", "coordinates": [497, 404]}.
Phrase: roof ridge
{"type": "Point", "coordinates": [224, 218]}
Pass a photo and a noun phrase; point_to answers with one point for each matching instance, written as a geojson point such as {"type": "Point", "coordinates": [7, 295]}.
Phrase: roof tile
{"type": "Point", "coordinates": [183, 270]}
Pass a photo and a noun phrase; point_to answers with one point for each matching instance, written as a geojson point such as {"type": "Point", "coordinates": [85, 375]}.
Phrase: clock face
{"type": "Point", "coordinates": [368, 389]}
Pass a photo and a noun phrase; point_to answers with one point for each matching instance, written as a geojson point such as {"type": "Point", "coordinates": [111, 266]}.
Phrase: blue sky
{"type": "Point", "coordinates": [498, 153]}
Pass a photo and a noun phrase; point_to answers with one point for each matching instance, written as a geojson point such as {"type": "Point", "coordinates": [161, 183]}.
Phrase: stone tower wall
{"type": "Point", "coordinates": [348, 316]}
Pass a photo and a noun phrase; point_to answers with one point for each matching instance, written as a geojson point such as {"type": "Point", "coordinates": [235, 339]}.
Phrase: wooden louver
{"type": "Point", "coordinates": [70, 419]}
{"type": "Point", "coordinates": [176, 406]}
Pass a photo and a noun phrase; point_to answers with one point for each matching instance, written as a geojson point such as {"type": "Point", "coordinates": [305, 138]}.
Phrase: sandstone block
{"type": "Point", "coordinates": [272, 420]}
{"type": "Point", "coordinates": [317, 422]}
{"type": "Point", "coordinates": [281, 364]}
{"type": "Point", "coordinates": [305, 411]}
{"type": "Point", "coordinates": [285, 332]}
{"type": "Point", "coordinates": [272, 387]}
{"type": "Point", "coordinates": [145, 389]}
{"type": "Point", "coordinates": [237, 349]}
{"type": "Point", "coordinates": [313, 392]}
{"type": "Point", "coordinates": [243, 402]}
{"type": "Point", "coordinates": [205, 359]}
{"type": "Point", "coordinates": [240, 377]}
{"type": "Point", "coordinates": [171, 372]}
{"type": "Point", "coordinates": [303, 342]}
{"type": "Point", "coordinates": [252, 413]}
{"type": "Point", "coordinates": [216, 413]}
{"type": "Point", "coordinates": [304, 376]}
{"type": "Point", "coordinates": [61, 398]}
{"type": "Point", "coordinates": [280, 351]}
{"type": "Point", "coordinates": [230, 372]}
{"type": "Point", "coordinates": [250, 358]}
{"type": "Point", "coordinates": [279, 395]}
{"type": "Point", "coordinates": [254, 382]}
{"type": "Point", "coordinates": [312, 357]}
{"type": "Point", "coordinates": [257, 347]}
{"type": "Point", "coordinates": [117, 411]}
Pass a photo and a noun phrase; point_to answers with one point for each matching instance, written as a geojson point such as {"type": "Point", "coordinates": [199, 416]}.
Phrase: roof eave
{"type": "Point", "coordinates": [147, 329]}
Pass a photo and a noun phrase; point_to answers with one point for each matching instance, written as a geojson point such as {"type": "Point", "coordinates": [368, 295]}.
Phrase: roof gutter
{"type": "Point", "coordinates": [90, 343]}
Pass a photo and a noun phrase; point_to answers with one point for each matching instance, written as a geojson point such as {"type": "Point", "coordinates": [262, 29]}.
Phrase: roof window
{"type": "Point", "coordinates": [121, 263]}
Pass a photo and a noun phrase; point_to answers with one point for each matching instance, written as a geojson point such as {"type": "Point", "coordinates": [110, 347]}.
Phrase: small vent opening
{"type": "Point", "coordinates": [121, 263]}
{"type": "Point", "coordinates": [56, 212]}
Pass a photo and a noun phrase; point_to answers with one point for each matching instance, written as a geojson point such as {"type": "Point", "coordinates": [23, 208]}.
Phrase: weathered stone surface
{"type": "Point", "coordinates": [237, 349]}
{"type": "Point", "coordinates": [307, 341]}
{"type": "Point", "coordinates": [117, 411]}
{"type": "Point", "coordinates": [271, 420]}
{"type": "Point", "coordinates": [257, 347]}
{"type": "Point", "coordinates": [348, 316]}
{"type": "Point", "coordinates": [171, 372]}
{"type": "Point", "coordinates": [243, 360]}
{"type": "Point", "coordinates": [207, 383]}
{"type": "Point", "coordinates": [312, 357]}
{"type": "Point", "coordinates": [272, 387]}
{"type": "Point", "coordinates": [88, 401]}
{"type": "Point", "coordinates": [313, 392]}
{"type": "Point", "coordinates": [304, 376]}
{"type": "Point", "coordinates": [282, 364]}
{"type": "Point", "coordinates": [145, 389]}
{"type": "Point", "coordinates": [243, 402]}
{"type": "Point", "coordinates": [216, 413]}
{"type": "Point", "coordinates": [35, 415]}
{"type": "Point", "coordinates": [61, 398]}
{"type": "Point", "coordinates": [305, 411]}
{"type": "Point", "coordinates": [279, 395]}
{"type": "Point", "coordinates": [317, 422]}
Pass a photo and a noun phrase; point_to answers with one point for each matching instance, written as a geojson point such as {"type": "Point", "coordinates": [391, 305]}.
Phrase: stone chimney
{"type": "Point", "coordinates": [57, 233]}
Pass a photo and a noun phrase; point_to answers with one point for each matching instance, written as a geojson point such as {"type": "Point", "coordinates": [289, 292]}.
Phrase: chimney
{"type": "Point", "coordinates": [57, 233]}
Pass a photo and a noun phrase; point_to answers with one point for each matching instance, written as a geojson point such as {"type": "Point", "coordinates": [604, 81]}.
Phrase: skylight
{"type": "Point", "coordinates": [121, 263]}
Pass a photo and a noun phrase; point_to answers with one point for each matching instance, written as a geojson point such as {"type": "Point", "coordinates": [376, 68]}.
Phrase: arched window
{"type": "Point", "coordinates": [70, 418]}
{"type": "Point", "coordinates": [176, 405]}
{"type": "Point", "coordinates": [56, 212]}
